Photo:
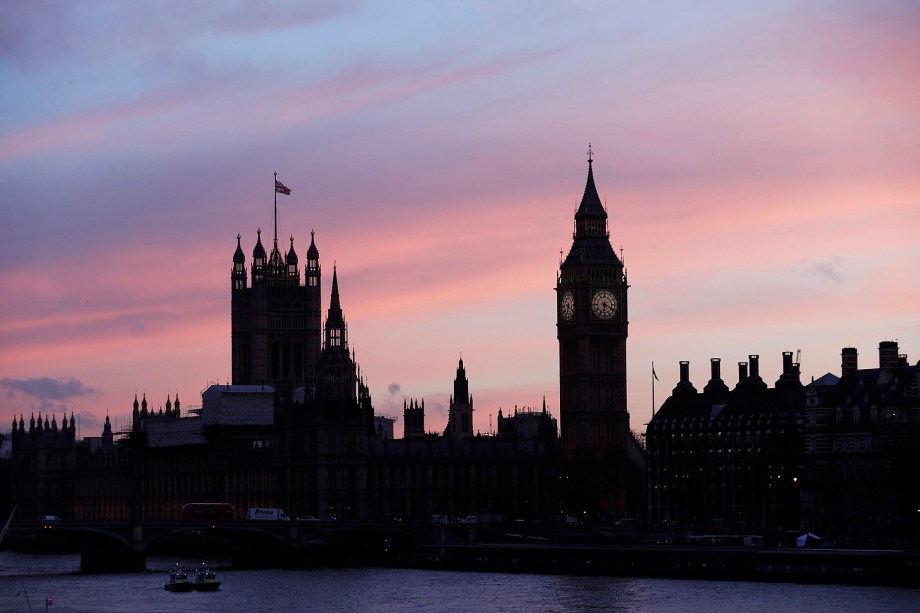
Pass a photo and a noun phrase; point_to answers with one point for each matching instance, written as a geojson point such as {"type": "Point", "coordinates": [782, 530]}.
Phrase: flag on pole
{"type": "Point", "coordinates": [281, 189]}
{"type": "Point", "coordinates": [653, 373]}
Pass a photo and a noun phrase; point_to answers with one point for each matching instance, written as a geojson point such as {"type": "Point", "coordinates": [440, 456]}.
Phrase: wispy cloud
{"type": "Point", "coordinates": [46, 388]}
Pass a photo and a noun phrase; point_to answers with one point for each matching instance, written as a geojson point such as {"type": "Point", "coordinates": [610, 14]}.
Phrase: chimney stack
{"type": "Point", "coordinates": [888, 356]}
{"type": "Point", "coordinates": [848, 361]}
{"type": "Point", "coordinates": [684, 386]}
{"type": "Point", "coordinates": [742, 372]}
{"type": "Point", "coordinates": [715, 379]}
{"type": "Point", "coordinates": [755, 366]}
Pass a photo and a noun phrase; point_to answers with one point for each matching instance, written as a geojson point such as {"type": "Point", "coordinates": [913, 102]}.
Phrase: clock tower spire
{"type": "Point", "coordinates": [592, 327]}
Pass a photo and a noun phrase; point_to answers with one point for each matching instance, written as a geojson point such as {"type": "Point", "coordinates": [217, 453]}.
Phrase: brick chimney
{"type": "Point", "coordinates": [888, 356]}
{"type": "Point", "coordinates": [684, 386]}
{"type": "Point", "coordinates": [848, 361]}
{"type": "Point", "coordinates": [715, 380]}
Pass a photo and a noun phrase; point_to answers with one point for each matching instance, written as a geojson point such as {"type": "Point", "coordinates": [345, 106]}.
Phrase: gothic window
{"type": "Point", "coordinates": [335, 337]}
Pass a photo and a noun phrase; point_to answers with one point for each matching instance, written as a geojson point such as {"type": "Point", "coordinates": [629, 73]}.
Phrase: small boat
{"type": "Point", "coordinates": [206, 580]}
{"type": "Point", "coordinates": [178, 581]}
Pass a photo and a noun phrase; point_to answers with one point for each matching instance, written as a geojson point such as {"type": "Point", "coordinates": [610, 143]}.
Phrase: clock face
{"type": "Point", "coordinates": [604, 304]}
{"type": "Point", "coordinates": [567, 306]}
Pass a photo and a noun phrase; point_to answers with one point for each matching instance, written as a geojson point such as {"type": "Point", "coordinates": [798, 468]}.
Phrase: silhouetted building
{"type": "Point", "coordinates": [862, 449]}
{"type": "Point", "coordinates": [295, 429]}
{"type": "Point", "coordinates": [592, 326]}
{"type": "Point", "coordinates": [275, 330]}
{"type": "Point", "coordinates": [413, 418]}
{"type": "Point", "coordinates": [728, 458]}
{"type": "Point", "coordinates": [42, 462]}
{"type": "Point", "coordinates": [460, 408]}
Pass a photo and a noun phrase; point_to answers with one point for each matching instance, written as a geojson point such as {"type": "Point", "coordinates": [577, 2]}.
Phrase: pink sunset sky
{"type": "Point", "coordinates": [760, 163]}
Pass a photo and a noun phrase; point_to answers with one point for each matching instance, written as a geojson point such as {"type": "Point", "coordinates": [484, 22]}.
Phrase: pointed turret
{"type": "Point", "coordinates": [591, 206]}
{"type": "Point", "coordinates": [336, 329]}
{"type": "Point", "coordinates": [276, 266]}
{"type": "Point", "coordinates": [258, 259]}
{"type": "Point", "coordinates": [291, 260]}
{"type": "Point", "coordinates": [238, 275]}
{"type": "Point", "coordinates": [312, 251]}
{"type": "Point", "coordinates": [460, 411]}
{"type": "Point", "coordinates": [336, 366]}
{"type": "Point", "coordinates": [107, 435]}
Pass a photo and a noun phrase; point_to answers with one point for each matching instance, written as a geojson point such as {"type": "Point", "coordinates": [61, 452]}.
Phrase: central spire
{"type": "Point", "coordinates": [591, 241]}
{"type": "Point", "coordinates": [334, 304]}
{"type": "Point", "coordinates": [591, 206]}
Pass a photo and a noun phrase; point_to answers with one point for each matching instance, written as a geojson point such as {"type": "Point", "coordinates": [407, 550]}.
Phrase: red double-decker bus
{"type": "Point", "coordinates": [206, 510]}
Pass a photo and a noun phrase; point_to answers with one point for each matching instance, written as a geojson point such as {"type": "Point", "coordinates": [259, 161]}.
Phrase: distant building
{"type": "Point", "coordinates": [526, 424]}
{"type": "Point", "coordinates": [862, 449]}
{"type": "Point", "coordinates": [460, 408]}
{"type": "Point", "coordinates": [383, 426]}
{"type": "Point", "coordinates": [42, 460]}
{"type": "Point", "coordinates": [295, 429]}
{"type": "Point", "coordinates": [275, 320]}
{"type": "Point", "coordinates": [728, 458]}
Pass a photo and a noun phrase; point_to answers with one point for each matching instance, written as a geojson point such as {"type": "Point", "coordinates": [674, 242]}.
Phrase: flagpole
{"type": "Point", "coordinates": [653, 388]}
{"type": "Point", "coordinates": [275, 190]}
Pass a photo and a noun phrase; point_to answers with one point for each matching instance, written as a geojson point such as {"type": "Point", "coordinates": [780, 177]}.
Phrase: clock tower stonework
{"type": "Point", "coordinates": [592, 327]}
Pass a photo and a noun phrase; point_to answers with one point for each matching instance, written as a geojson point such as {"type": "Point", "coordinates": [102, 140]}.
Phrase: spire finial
{"type": "Point", "coordinates": [590, 154]}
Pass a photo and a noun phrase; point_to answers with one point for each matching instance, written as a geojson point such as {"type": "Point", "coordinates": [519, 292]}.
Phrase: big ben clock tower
{"type": "Point", "coordinates": [592, 327]}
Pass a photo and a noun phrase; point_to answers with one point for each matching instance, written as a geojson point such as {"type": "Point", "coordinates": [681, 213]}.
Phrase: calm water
{"type": "Point", "coordinates": [377, 590]}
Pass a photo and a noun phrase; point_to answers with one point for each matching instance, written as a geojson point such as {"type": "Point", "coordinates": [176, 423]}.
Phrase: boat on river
{"type": "Point", "coordinates": [178, 581]}
{"type": "Point", "coordinates": [205, 580]}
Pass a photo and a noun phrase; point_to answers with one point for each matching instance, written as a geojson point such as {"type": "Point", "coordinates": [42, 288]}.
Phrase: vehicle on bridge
{"type": "Point", "coordinates": [267, 513]}
{"type": "Point", "coordinates": [206, 510]}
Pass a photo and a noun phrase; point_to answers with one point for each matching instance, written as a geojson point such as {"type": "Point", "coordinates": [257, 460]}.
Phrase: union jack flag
{"type": "Point", "coordinates": [281, 189]}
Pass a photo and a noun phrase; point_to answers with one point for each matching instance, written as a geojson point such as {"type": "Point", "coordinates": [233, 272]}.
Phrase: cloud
{"type": "Point", "coordinates": [827, 269]}
{"type": "Point", "coordinates": [46, 389]}
{"type": "Point", "coordinates": [393, 388]}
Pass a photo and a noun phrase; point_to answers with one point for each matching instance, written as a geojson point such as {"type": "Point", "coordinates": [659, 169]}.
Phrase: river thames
{"type": "Point", "coordinates": [26, 580]}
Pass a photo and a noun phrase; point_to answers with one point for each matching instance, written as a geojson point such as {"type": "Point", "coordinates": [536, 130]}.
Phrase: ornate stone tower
{"type": "Point", "coordinates": [592, 327]}
{"type": "Point", "coordinates": [337, 368]}
{"type": "Point", "coordinates": [275, 321]}
{"type": "Point", "coordinates": [460, 412]}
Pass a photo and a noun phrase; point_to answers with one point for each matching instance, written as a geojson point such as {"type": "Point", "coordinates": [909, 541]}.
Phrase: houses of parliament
{"type": "Point", "coordinates": [296, 428]}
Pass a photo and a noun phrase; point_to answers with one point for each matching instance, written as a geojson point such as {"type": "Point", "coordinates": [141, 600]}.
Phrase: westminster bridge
{"type": "Point", "coordinates": [123, 545]}
{"type": "Point", "coordinates": [107, 546]}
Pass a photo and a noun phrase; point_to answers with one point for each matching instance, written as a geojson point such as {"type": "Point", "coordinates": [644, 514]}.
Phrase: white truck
{"type": "Point", "coordinates": [267, 513]}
